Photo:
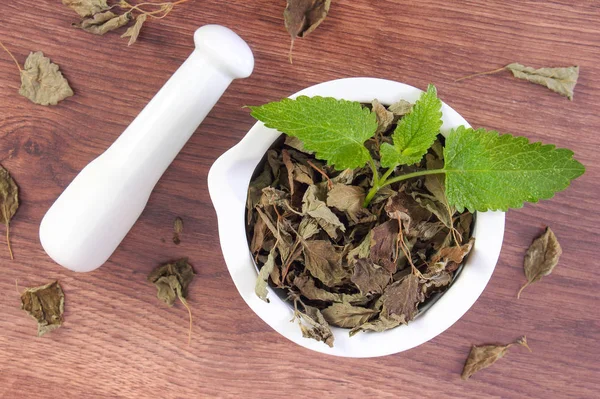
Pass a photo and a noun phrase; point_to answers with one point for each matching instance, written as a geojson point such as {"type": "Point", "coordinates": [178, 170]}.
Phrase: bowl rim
{"type": "Point", "coordinates": [228, 181]}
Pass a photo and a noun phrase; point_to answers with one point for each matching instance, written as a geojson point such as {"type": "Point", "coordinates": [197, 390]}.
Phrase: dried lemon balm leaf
{"type": "Point", "coordinates": [541, 258]}
{"type": "Point", "coordinates": [46, 304]}
{"type": "Point", "coordinates": [484, 356]}
{"type": "Point", "coordinates": [172, 281]}
{"type": "Point", "coordinates": [134, 31]}
{"type": "Point", "coordinates": [104, 22]}
{"type": "Point", "coordinates": [301, 17]}
{"type": "Point", "coordinates": [86, 8]}
{"type": "Point", "coordinates": [9, 202]}
{"type": "Point", "coordinates": [42, 82]}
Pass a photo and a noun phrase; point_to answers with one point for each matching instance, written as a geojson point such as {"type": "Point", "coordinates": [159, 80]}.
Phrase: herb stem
{"type": "Point", "coordinates": [375, 173]}
{"type": "Point", "coordinates": [411, 175]}
{"type": "Point", "coordinates": [383, 182]}
{"type": "Point", "coordinates": [8, 241]}
{"type": "Point", "coordinates": [11, 56]}
{"type": "Point", "coordinates": [184, 302]}
{"type": "Point", "coordinates": [388, 173]}
{"type": "Point", "coordinates": [480, 74]}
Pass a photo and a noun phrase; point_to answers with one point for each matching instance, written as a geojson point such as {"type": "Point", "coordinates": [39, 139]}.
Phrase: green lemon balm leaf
{"type": "Point", "coordinates": [335, 130]}
{"type": "Point", "coordinates": [488, 171]}
{"type": "Point", "coordinates": [415, 132]}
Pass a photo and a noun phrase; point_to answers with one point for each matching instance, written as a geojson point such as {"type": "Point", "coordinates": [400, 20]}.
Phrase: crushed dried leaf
{"type": "Point", "coordinates": [541, 258]}
{"type": "Point", "coordinates": [46, 304]}
{"type": "Point", "coordinates": [484, 356]}
{"type": "Point", "coordinates": [172, 281]}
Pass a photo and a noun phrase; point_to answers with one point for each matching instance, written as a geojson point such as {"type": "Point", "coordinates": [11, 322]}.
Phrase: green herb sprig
{"type": "Point", "coordinates": [483, 169]}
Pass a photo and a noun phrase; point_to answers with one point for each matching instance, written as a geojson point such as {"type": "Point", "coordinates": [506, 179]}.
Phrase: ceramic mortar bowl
{"type": "Point", "coordinates": [228, 181]}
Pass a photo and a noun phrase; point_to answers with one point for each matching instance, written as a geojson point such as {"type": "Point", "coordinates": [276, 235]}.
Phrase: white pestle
{"type": "Point", "coordinates": [96, 211]}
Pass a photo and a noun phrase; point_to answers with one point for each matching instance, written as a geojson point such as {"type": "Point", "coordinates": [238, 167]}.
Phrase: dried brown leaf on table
{"type": "Point", "coordinates": [177, 230]}
{"type": "Point", "coordinates": [484, 356]}
{"type": "Point", "coordinates": [324, 262]}
{"type": "Point", "coordinates": [346, 315]}
{"type": "Point", "coordinates": [46, 304]}
{"type": "Point", "coordinates": [369, 277]}
{"type": "Point", "coordinates": [301, 17]}
{"type": "Point", "coordinates": [541, 258]}
{"type": "Point", "coordinates": [561, 80]}
{"type": "Point", "coordinates": [86, 8]}
{"type": "Point", "coordinates": [313, 325]}
{"type": "Point", "coordinates": [42, 82]}
{"type": "Point", "coordinates": [104, 22]}
{"type": "Point", "coordinates": [172, 281]}
{"type": "Point", "coordinates": [134, 31]}
{"type": "Point", "coordinates": [263, 277]}
{"type": "Point", "coordinates": [9, 202]}
{"type": "Point", "coordinates": [385, 118]}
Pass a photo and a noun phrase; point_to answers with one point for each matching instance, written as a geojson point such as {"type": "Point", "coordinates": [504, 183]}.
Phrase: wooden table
{"type": "Point", "coordinates": [119, 341]}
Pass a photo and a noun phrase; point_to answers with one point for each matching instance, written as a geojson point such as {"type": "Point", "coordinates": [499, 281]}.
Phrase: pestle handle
{"type": "Point", "coordinates": [91, 217]}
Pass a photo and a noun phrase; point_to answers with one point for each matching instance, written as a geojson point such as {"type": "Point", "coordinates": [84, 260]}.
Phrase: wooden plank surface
{"type": "Point", "coordinates": [119, 341]}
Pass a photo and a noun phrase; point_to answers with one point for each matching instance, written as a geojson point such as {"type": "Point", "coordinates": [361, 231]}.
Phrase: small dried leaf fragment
{"type": "Point", "coordinates": [369, 277]}
{"type": "Point", "coordinates": [484, 356]}
{"type": "Point", "coordinates": [559, 80]}
{"type": "Point", "coordinates": [541, 258]}
{"type": "Point", "coordinates": [324, 262]}
{"type": "Point", "coordinates": [104, 22]}
{"type": "Point", "coordinates": [349, 199]}
{"type": "Point", "coordinates": [385, 118]}
{"type": "Point", "coordinates": [177, 230]}
{"type": "Point", "coordinates": [86, 8]}
{"type": "Point", "coordinates": [134, 31]}
{"type": "Point", "coordinates": [402, 298]}
{"type": "Point", "coordinates": [172, 281]}
{"type": "Point", "coordinates": [301, 17]}
{"type": "Point", "coordinates": [313, 325]}
{"type": "Point", "coordinates": [46, 304]}
{"type": "Point", "coordinates": [346, 315]}
{"type": "Point", "coordinates": [260, 287]}
{"type": "Point", "coordinates": [9, 202]}
{"type": "Point", "coordinates": [42, 82]}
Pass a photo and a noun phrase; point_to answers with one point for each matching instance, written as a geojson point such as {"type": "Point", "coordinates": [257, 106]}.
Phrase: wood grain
{"type": "Point", "coordinates": [118, 341]}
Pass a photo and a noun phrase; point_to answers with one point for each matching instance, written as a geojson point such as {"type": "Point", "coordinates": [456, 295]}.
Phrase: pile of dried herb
{"type": "Point", "coordinates": [359, 268]}
{"type": "Point", "coordinates": [98, 17]}
{"type": "Point", "coordinates": [363, 239]}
